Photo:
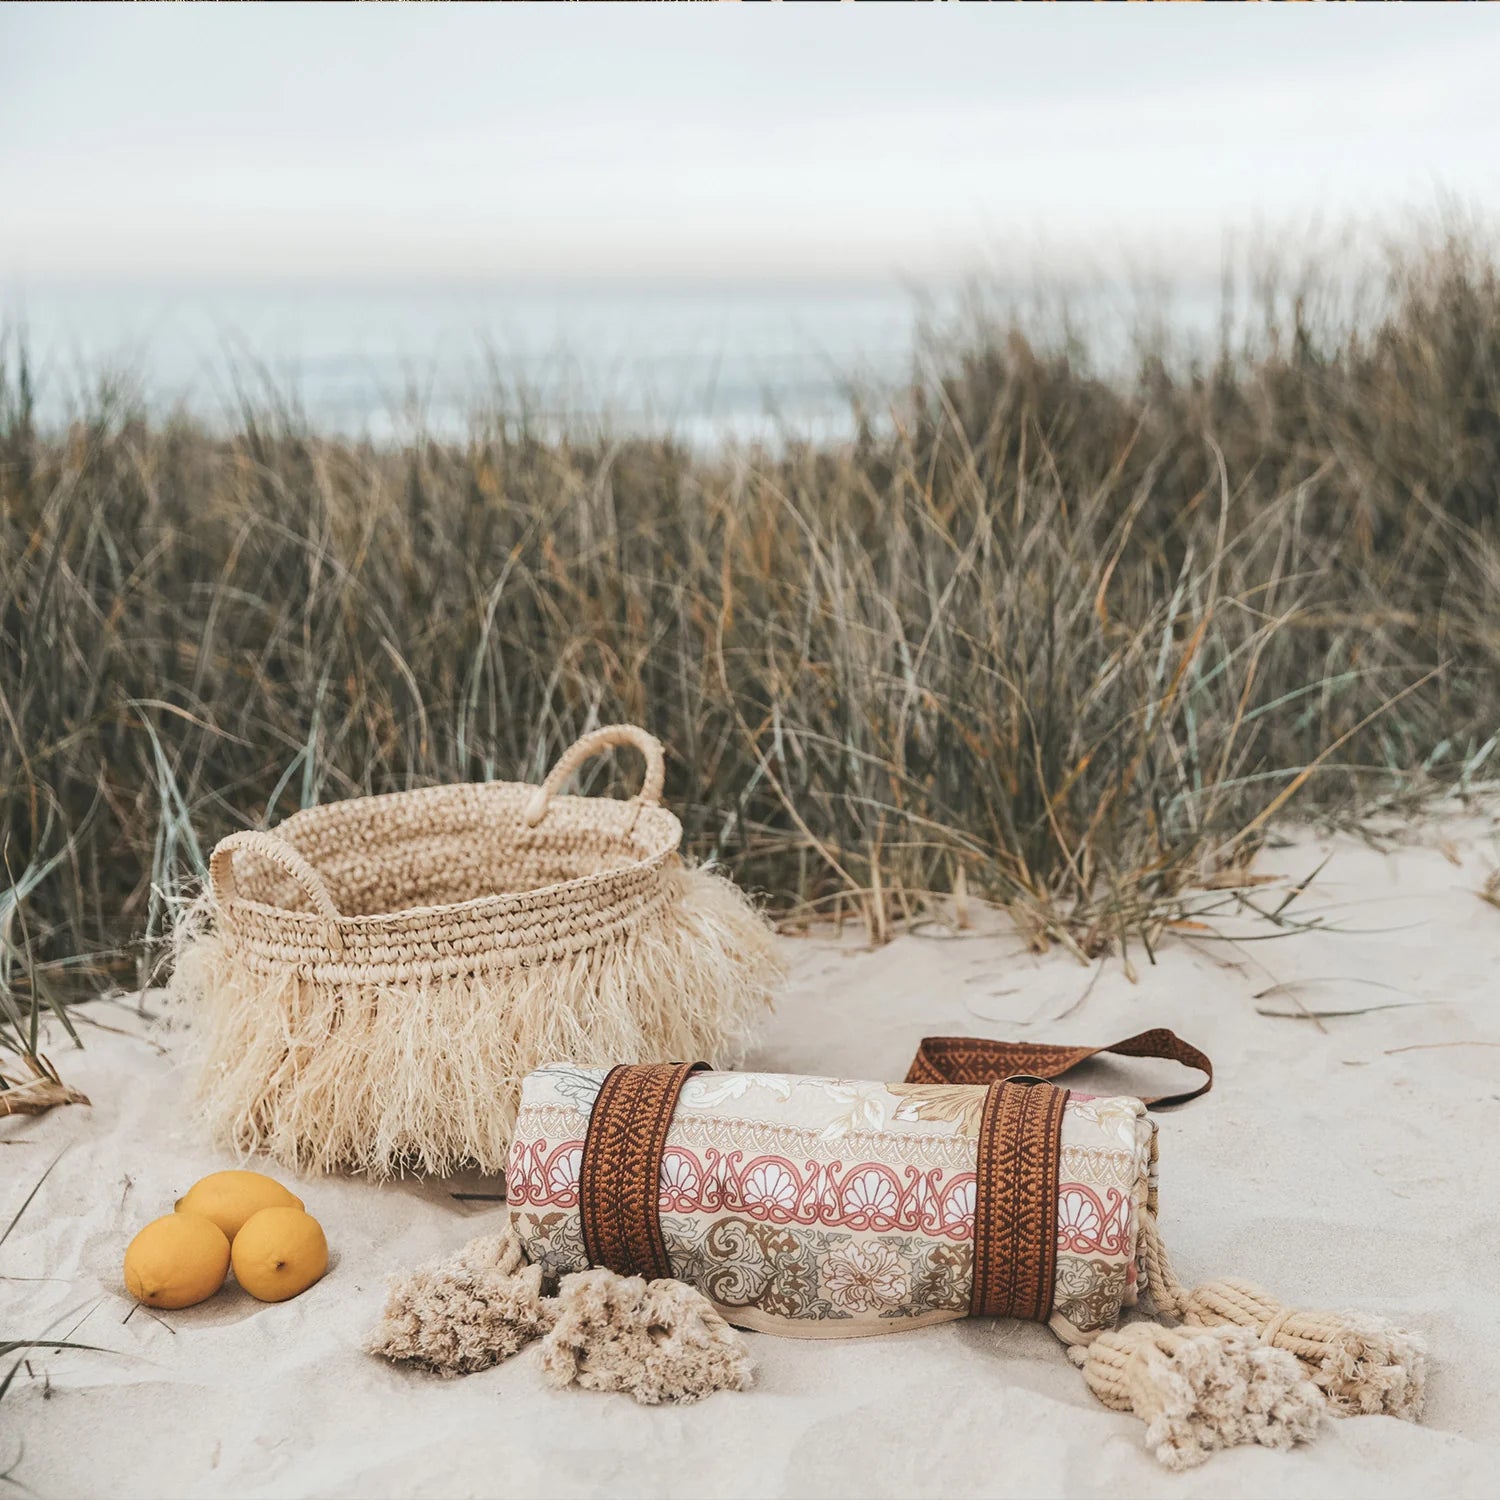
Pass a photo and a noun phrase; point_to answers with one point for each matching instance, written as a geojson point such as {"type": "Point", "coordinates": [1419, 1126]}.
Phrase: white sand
{"type": "Point", "coordinates": [1332, 1166]}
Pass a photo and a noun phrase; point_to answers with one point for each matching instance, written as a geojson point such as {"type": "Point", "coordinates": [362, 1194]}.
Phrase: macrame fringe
{"type": "Point", "coordinates": [1242, 1368]}
{"type": "Point", "coordinates": [465, 1313]}
{"type": "Point", "coordinates": [659, 1340]}
{"type": "Point", "coordinates": [1201, 1390]}
{"type": "Point", "coordinates": [425, 1075]}
{"type": "Point", "coordinates": [1363, 1365]}
{"type": "Point", "coordinates": [1239, 1368]}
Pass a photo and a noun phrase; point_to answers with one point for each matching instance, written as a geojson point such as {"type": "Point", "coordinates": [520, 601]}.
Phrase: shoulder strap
{"type": "Point", "coordinates": [967, 1059]}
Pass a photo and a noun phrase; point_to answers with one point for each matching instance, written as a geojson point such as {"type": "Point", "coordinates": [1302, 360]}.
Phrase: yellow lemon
{"type": "Point", "coordinates": [279, 1252]}
{"type": "Point", "coordinates": [177, 1261]}
{"type": "Point", "coordinates": [229, 1198]}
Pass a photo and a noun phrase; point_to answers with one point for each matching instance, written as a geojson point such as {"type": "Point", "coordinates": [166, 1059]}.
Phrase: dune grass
{"type": "Point", "coordinates": [1034, 636]}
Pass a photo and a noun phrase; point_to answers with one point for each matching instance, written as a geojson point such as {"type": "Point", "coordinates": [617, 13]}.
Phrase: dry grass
{"type": "Point", "coordinates": [1041, 638]}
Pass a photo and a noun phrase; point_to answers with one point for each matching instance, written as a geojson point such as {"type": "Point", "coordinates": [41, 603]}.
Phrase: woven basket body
{"type": "Point", "coordinates": [377, 976]}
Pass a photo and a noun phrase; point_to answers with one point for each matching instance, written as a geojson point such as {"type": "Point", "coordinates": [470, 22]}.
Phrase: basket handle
{"type": "Point", "coordinates": [590, 745]}
{"type": "Point", "coordinates": [279, 852]}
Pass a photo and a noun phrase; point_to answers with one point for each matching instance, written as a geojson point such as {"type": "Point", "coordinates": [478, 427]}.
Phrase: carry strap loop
{"type": "Point", "coordinates": [975, 1060]}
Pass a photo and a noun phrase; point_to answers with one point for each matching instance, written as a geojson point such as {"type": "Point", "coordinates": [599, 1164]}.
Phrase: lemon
{"type": "Point", "coordinates": [229, 1198]}
{"type": "Point", "coordinates": [176, 1261]}
{"type": "Point", "coordinates": [279, 1252]}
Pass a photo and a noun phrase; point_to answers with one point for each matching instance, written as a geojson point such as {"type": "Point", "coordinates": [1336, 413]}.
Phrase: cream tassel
{"type": "Point", "coordinates": [660, 1340]}
{"type": "Point", "coordinates": [466, 1313]}
{"type": "Point", "coordinates": [1202, 1390]}
{"type": "Point", "coordinates": [1364, 1365]}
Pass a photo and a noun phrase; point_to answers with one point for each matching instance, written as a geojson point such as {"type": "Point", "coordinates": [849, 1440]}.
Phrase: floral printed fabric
{"type": "Point", "coordinates": [823, 1207]}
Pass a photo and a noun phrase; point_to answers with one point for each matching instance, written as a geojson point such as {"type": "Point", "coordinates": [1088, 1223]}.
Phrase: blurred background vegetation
{"type": "Point", "coordinates": [1039, 634]}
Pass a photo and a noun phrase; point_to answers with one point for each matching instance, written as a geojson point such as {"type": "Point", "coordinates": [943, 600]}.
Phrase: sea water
{"type": "Point", "coordinates": [700, 360]}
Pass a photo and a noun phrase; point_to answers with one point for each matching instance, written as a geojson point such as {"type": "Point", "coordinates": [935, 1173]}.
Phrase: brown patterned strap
{"type": "Point", "coordinates": [620, 1177]}
{"type": "Point", "coordinates": [1015, 1201]}
{"type": "Point", "coordinates": [965, 1059]}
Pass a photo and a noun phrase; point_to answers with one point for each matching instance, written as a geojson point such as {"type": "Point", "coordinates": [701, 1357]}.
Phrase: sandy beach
{"type": "Point", "coordinates": [1343, 1161]}
{"type": "Point", "coordinates": [496, 584]}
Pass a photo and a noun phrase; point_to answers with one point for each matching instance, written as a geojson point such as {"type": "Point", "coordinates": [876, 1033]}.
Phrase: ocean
{"type": "Point", "coordinates": [702, 361]}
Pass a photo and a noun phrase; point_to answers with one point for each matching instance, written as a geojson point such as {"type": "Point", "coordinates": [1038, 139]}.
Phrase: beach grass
{"type": "Point", "coordinates": [1040, 635]}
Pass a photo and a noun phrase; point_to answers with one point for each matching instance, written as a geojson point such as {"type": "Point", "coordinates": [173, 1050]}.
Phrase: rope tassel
{"type": "Point", "coordinates": [465, 1313]}
{"type": "Point", "coordinates": [659, 1340]}
{"type": "Point", "coordinates": [1201, 1390]}
{"type": "Point", "coordinates": [1363, 1365]}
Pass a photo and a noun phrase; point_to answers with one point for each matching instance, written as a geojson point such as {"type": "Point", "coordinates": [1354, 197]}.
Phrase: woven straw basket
{"type": "Point", "coordinates": [372, 981]}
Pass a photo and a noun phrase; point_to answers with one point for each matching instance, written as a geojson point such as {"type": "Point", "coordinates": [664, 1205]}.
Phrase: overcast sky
{"type": "Point", "coordinates": [717, 141]}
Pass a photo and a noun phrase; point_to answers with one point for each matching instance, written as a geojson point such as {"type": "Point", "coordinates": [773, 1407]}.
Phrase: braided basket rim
{"type": "Point", "coordinates": [610, 815]}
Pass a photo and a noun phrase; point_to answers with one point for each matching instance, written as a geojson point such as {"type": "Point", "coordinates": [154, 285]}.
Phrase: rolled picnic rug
{"type": "Point", "coordinates": [831, 1208]}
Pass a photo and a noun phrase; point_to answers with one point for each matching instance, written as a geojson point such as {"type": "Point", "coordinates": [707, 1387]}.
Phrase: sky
{"type": "Point", "coordinates": [390, 142]}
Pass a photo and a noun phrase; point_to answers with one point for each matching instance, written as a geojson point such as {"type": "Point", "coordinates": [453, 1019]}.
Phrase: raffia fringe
{"type": "Point", "coordinates": [425, 1076]}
